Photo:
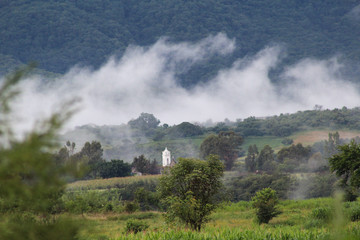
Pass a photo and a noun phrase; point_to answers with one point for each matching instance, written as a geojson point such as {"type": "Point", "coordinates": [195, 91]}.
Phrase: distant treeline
{"type": "Point", "coordinates": [145, 135]}
{"type": "Point", "coordinates": [286, 124]}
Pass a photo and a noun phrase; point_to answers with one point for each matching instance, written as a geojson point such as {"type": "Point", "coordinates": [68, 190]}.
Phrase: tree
{"type": "Point", "coordinates": [226, 145]}
{"type": "Point", "coordinates": [90, 156]}
{"type": "Point", "coordinates": [297, 153]}
{"type": "Point", "coordinates": [188, 190]}
{"type": "Point", "coordinates": [144, 122]}
{"type": "Point", "coordinates": [185, 129]}
{"type": "Point", "coordinates": [114, 168]}
{"type": "Point", "coordinates": [64, 154]}
{"type": "Point", "coordinates": [265, 158]}
{"type": "Point", "coordinates": [265, 202]}
{"type": "Point", "coordinates": [93, 152]}
{"type": "Point", "coordinates": [143, 165]}
{"type": "Point", "coordinates": [346, 164]}
{"type": "Point", "coordinates": [250, 160]}
{"type": "Point", "coordinates": [331, 144]}
{"type": "Point", "coordinates": [31, 181]}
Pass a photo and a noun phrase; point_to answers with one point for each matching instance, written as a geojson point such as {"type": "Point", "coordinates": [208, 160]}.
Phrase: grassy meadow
{"type": "Point", "coordinates": [301, 219]}
{"type": "Point", "coordinates": [321, 218]}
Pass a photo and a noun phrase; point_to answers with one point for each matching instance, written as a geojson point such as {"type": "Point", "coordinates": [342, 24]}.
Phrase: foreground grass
{"type": "Point", "coordinates": [230, 221]}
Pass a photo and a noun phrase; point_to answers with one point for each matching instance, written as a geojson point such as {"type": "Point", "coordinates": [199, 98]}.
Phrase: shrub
{"type": "Point", "coordinates": [265, 202]}
{"type": "Point", "coordinates": [109, 207]}
{"type": "Point", "coordinates": [287, 141]}
{"type": "Point", "coordinates": [353, 211]}
{"type": "Point", "coordinates": [131, 207]}
{"type": "Point", "coordinates": [135, 226]}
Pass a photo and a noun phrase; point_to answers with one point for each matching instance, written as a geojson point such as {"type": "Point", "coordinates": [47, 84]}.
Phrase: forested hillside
{"type": "Point", "coordinates": [60, 34]}
{"type": "Point", "coordinates": [145, 135]}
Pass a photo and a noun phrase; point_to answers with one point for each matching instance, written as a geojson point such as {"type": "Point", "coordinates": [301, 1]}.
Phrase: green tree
{"type": "Point", "coordinates": [250, 160]}
{"type": "Point", "coordinates": [144, 122]}
{"type": "Point", "coordinates": [90, 156]}
{"type": "Point", "coordinates": [331, 144]}
{"type": "Point", "coordinates": [188, 190]}
{"type": "Point", "coordinates": [185, 129]}
{"type": "Point", "coordinates": [114, 168]}
{"type": "Point", "coordinates": [143, 165]}
{"type": "Point", "coordinates": [265, 158]}
{"type": "Point", "coordinates": [93, 152]}
{"type": "Point", "coordinates": [265, 202]}
{"type": "Point", "coordinates": [226, 145]}
{"type": "Point", "coordinates": [31, 181]}
{"type": "Point", "coordinates": [346, 165]}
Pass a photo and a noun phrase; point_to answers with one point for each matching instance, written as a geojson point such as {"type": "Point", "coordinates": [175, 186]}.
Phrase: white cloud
{"type": "Point", "coordinates": [144, 80]}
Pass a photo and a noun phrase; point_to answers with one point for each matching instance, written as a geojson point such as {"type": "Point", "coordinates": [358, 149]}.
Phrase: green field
{"type": "Point", "coordinates": [308, 137]}
{"type": "Point", "coordinates": [321, 218]}
{"type": "Point", "coordinates": [261, 141]}
{"type": "Point", "coordinates": [110, 182]}
{"type": "Point", "coordinates": [235, 221]}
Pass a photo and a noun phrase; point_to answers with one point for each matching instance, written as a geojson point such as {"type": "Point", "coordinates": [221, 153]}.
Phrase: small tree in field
{"type": "Point", "coordinates": [346, 165]}
{"type": "Point", "coordinates": [188, 190]}
{"type": "Point", "coordinates": [265, 202]}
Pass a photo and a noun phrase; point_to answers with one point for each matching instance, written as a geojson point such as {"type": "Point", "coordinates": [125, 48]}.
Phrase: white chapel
{"type": "Point", "coordinates": [166, 158]}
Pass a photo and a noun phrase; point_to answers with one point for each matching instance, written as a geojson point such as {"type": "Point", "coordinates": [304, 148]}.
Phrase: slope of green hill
{"type": "Point", "coordinates": [60, 34]}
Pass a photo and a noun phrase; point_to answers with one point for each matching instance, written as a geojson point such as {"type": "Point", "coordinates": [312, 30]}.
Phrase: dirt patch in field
{"type": "Point", "coordinates": [315, 136]}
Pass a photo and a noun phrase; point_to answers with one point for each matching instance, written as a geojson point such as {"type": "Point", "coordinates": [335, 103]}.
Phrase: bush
{"type": "Point", "coordinates": [92, 201]}
{"type": "Point", "coordinates": [350, 195]}
{"type": "Point", "coordinates": [135, 226]}
{"type": "Point", "coordinates": [244, 187]}
{"type": "Point", "coordinates": [353, 211]}
{"type": "Point", "coordinates": [265, 202]}
{"type": "Point", "coordinates": [131, 207]}
{"type": "Point", "coordinates": [287, 141]}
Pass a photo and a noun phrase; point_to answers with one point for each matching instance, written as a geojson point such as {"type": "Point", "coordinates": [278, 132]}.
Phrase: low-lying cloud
{"type": "Point", "coordinates": [144, 79]}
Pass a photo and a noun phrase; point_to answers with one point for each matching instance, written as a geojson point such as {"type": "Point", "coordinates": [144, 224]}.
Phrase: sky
{"type": "Point", "coordinates": [144, 79]}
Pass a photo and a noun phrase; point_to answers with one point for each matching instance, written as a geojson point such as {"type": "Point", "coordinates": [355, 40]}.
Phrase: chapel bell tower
{"type": "Point", "coordinates": [166, 158]}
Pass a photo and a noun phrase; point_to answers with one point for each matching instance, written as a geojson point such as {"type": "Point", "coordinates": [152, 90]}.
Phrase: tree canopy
{"type": "Point", "coordinates": [226, 145]}
{"type": "Point", "coordinates": [188, 190]}
{"type": "Point", "coordinates": [346, 164]}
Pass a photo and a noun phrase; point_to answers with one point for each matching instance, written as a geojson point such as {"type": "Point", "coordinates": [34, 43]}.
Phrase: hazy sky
{"type": "Point", "coordinates": [144, 80]}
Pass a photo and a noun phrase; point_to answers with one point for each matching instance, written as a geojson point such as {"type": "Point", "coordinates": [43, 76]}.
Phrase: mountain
{"type": "Point", "coordinates": [59, 34]}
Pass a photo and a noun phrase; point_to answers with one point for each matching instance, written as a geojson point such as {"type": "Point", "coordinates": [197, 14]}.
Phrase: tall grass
{"type": "Point", "coordinates": [230, 234]}
{"type": "Point", "coordinates": [299, 220]}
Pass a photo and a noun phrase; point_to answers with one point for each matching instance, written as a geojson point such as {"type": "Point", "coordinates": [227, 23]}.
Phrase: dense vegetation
{"type": "Point", "coordinates": [60, 34]}
{"type": "Point", "coordinates": [145, 136]}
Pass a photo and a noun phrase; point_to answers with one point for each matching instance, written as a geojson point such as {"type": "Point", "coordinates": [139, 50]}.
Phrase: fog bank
{"type": "Point", "coordinates": [144, 79]}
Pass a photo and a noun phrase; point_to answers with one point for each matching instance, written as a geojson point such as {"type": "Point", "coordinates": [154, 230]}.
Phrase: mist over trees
{"type": "Point", "coordinates": [146, 136]}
